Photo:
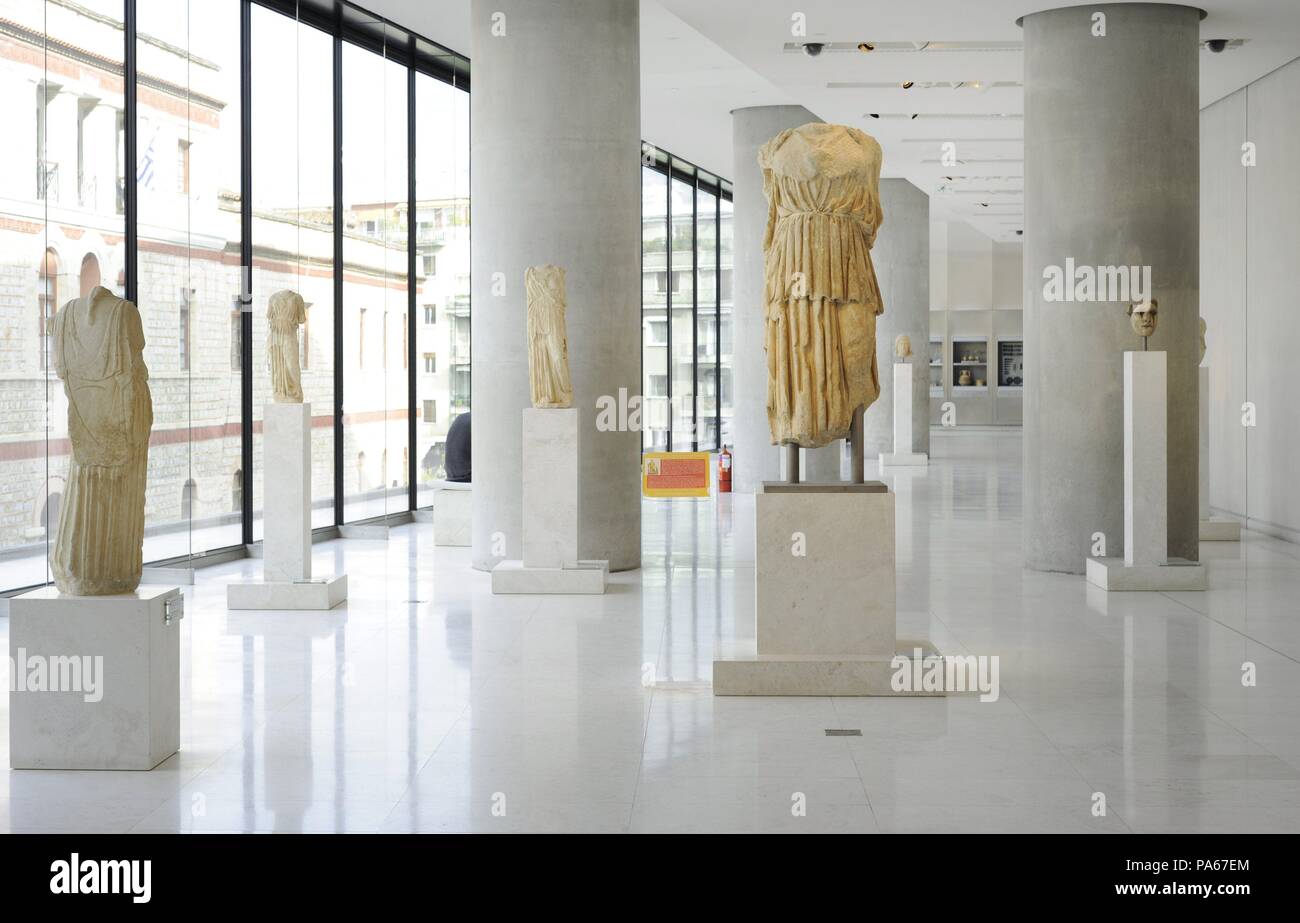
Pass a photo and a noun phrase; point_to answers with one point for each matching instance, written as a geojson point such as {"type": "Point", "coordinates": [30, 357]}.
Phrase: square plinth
{"type": "Point", "coordinates": [453, 509]}
{"type": "Point", "coordinates": [587, 578]}
{"type": "Point", "coordinates": [1112, 574]}
{"type": "Point", "coordinates": [1220, 530]}
{"type": "Point", "coordinates": [550, 487]}
{"type": "Point", "coordinates": [821, 676]}
{"type": "Point", "coordinates": [314, 594]}
{"type": "Point", "coordinates": [95, 679]}
{"type": "Point", "coordinates": [824, 570]}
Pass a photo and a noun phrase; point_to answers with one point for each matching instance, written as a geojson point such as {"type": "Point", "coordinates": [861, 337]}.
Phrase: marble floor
{"type": "Point", "coordinates": [427, 704]}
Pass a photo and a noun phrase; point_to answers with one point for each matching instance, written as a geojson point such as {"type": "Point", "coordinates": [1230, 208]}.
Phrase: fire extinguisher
{"type": "Point", "coordinates": [724, 470]}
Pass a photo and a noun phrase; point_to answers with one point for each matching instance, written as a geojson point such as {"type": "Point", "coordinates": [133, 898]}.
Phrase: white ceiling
{"type": "Point", "coordinates": [702, 58]}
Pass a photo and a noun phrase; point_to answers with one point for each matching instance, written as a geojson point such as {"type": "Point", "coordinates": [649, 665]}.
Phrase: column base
{"type": "Point", "coordinates": [1220, 530]}
{"type": "Point", "coordinates": [1112, 574]}
{"type": "Point", "coordinates": [588, 578]}
{"type": "Point", "coordinates": [904, 460]}
{"type": "Point", "coordinates": [107, 676]}
{"type": "Point", "coordinates": [315, 594]}
{"type": "Point", "coordinates": [819, 675]}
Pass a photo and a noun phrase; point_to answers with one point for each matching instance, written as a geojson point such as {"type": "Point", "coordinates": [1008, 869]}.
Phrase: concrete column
{"type": "Point", "coordinates": [555, 139]}
{"type": "Point", "coordinates": [1111, 179]}
{"type": "Point", "coordinates": [901, 257]}
{"type": "Point", "coordinates": [757, 460]}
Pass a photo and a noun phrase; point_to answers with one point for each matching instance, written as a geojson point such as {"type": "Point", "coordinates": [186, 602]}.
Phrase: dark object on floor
{"type": "Point", "coordinates": [457, 462]}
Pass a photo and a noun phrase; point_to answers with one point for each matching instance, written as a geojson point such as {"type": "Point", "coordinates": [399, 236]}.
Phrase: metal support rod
{"type": "Point", "coordinates": [792, 462]}
{"type": "Point", "coordinates": [856, 436]}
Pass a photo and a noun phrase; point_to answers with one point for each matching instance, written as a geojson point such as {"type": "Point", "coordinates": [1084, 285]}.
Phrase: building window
{"type": "Point", "coordinates": [236, 336]}
{"type": "Point", "coordinates": [405, 343]}
{"type": "Point", "coordinates": [430, 261]}
{"type": "Point", "coordinates": [189, 499]}
{"type": "Point", "coordinates": [430, 411]}
{"type": "Point", "coordinates": [430, 363]}
{"type": "Point", "coordinates": [361, 341]}
{"type": "Point", "coordinates": [430, 314]}
{"type": "Point", "coordinates": [48, 304]}
{"type": "Point", "coordinates": [183, 333]}
{"type": "Point", "coordinates": [237, 491]}
{"type": "Point", "coordinates": [183, 167]}
{"type": "Point", "coordinates": [305, 359]}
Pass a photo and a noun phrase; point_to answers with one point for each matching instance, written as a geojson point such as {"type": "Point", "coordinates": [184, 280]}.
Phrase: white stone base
{"type": "Point", "coordinates": [588, 578]}
{"type": "Point", "coordinates": [1113, 574]}
{"type": "Point", "coordinates": [135, 724]}
{"type": "Point", "coordinates": [904, 460]}
{"type": "Point", "coordinates": [1220, 530]}
{"type": "Point", "coordinates": [776, 674]}
{"type": "Point", "coordinates": [314, 594]}
{"type": "Point", "coordinates": [453, 506]}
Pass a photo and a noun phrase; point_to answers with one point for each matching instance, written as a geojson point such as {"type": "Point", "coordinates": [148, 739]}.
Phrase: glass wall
{"type": "Point", "coordinates": [375, 304]}
{"type": "Point", "coordinates": [293, 230]}
{"type": "Point", "coordinates": [441, 273]}
{"type": "Point", "coordinates": [138, 178]}
{"type": "Point", "coordinates": [685, 305]}
{"type": "Point", "coordinates": [187, 175]}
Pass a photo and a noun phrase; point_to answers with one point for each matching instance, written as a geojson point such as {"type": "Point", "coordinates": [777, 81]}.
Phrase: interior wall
{"type": "Point", "coordinates": [1250, 239]}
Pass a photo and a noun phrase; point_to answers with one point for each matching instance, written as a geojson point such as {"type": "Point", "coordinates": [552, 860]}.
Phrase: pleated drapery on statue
{"type": "Point", "coordinates": [99, 355]}
{"type": "Point", "coordinates": [821, 296]}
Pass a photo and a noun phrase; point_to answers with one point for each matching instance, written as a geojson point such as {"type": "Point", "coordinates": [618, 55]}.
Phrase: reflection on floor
{"type": "Point", "coordinates": [427, 704]}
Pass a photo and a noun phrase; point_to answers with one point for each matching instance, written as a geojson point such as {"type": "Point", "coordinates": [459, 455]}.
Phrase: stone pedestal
{"type": "Point", "coordinates": [95, 679]}
{"type": "Point", "coordinates": [1146, 564]}
{"type": "Point", "coordinates": [903, 454]}
{"type": "Point", "coordinates": [1212, 529]}
{"type": "Point", "coordinates": [550, 561]}
{"type": "Point", "coordinates": [453, 508]}
{"type": "Point", "coordinates": [287, 581]}
{"type": "Point", "coordinates": [824, 594]}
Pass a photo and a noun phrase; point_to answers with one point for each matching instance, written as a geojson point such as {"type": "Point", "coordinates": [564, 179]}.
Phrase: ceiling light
{"type": "Point", "coordinates": [866, 46]}
{"type": "Point", "coordinates": [874, 115]}
{"type": "Point", "coordinates": [907, 84]}
{"type": "Point", "coordinates": [915, 114]}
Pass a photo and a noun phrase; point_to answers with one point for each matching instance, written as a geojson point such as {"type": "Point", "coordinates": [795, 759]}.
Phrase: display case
{"type": "Point", "coordinates": [1011, 364]}
{"type": "Point", "coordinates": [936, 366]}
{"type": "Point", "coordinates": [970, 363]}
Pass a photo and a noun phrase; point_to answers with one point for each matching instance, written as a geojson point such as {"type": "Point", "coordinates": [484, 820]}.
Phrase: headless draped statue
{"type": "Point", "coordinates": [285, 312]}
{"type": "Point", "coordinates": [548, 345]}
{"type": "Point", "coordinates": [99, 356]}
{"type": "Point", "coordinates": [820, 291]}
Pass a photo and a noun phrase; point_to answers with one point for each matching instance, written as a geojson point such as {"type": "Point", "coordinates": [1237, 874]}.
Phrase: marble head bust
{"type": "Point", "coordinates": [903, 346]}
{"type": "Point", "coordinates": [1143, 317]}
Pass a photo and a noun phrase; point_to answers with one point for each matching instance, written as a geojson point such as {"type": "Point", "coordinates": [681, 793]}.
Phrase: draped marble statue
{"type": "Point", "coordinates": [99, 356]}
{"type": "Point", "coordinates": [820, 291]}
{"type": "Point", "coordinates": [548, 345]}
{"type": "Point", "coordinates": [285, 312]}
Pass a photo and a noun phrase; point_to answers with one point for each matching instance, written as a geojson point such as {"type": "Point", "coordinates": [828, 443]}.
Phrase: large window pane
{"type": "Point", "coordinates": [682, 292]}
{"type": "Point", "coordinates": [654, 309]}
{"type": "Point", "coordinates": [187, 184]}
{"type": "Point", "coordinates": [706, 319]}
{"type": "Point", "coordinates": [63, 231]}
{"type": "Point", "coordinates": [375, 199]}
{"type": "Point", "coordinates": [441, 272]}
{"type": "Point", "coordinates": [293, 229]}
{"type": "Point", "coordinates": [725, 242]}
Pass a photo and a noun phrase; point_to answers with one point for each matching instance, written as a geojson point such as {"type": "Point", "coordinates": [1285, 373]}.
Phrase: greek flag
{"type": "Point", "coordinates": [144, 175]}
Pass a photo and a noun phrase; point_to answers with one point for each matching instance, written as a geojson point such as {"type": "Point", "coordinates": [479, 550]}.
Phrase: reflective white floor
{"type": "Point", "coordinates": [427, 704]}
